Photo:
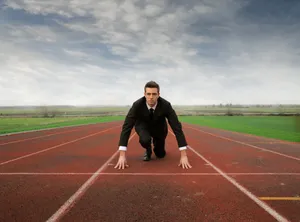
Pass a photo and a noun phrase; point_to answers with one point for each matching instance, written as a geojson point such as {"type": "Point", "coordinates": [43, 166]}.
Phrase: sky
{"type": "Point", "coordinates": [95, 52]}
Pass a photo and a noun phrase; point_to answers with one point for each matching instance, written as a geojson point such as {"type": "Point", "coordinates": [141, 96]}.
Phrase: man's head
{"type": "Point", "coordinates": [151, 92]}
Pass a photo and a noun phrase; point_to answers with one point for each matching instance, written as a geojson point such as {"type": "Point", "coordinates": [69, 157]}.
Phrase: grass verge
{"type": "Point", "coordinates": [284, 128]}
{"type": "Point", "coordinates": [277, 127]}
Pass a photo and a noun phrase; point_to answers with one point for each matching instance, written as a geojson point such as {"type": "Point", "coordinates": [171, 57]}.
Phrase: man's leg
{"type": "Point", "coordinates": [145, 141]}
{"type": "Point", "coordinates": [159, 147]}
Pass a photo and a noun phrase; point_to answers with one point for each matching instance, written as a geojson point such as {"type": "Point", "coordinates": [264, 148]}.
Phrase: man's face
{"type": "Point", "coordinates": [151, 95]}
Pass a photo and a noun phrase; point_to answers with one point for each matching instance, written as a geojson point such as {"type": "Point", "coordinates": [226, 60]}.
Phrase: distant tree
{"type": "Point", "coordinates": [44, 111]}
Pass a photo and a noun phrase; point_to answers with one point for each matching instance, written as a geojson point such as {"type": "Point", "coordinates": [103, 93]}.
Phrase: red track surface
{"type": "Point", "coordinates": [52, 173]}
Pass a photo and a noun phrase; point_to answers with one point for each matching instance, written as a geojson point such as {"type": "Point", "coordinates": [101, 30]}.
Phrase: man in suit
{"type": "Point", "coordinates": [148, 114]}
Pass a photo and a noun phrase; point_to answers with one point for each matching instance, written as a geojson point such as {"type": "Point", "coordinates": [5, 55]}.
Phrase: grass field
{"type": "Point", "coordinates": [279, 127]}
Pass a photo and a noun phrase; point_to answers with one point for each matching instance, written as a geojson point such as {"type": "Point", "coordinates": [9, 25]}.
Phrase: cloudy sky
{"type": "Point", "coordinates": [97, 52]}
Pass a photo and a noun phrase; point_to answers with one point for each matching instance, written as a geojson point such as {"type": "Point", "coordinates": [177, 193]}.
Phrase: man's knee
{"type": "Point", "coordinates": [145, 141]}
{"type": "Point", "coordinates": [160, 153]}
{"type": "Point", "coordinates": [159, 147]}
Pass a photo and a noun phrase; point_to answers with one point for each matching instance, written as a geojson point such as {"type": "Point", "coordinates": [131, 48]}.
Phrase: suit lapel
{"type": "Point", "coordinates": [156, 111]}
{"type": "Point", "coordinates": [145, 109]}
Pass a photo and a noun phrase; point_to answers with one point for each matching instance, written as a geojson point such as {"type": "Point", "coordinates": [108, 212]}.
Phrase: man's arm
{"type": "Point", "coordinates": [176, 127]}
{"type": "Point", "coordinates": [127, 127]}
{"type": "Point", "coordinates": [124, 137]}
{"type": "Point", "coordinates": [181, 141]}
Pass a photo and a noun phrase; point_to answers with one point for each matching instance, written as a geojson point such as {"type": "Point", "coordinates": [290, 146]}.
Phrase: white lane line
{"type": "Point", "coordinates": [256, 147]}
{"type": "Point", "coordinates": [80, 192]}
{"type": "Point", "coordinates": [143, 174]}
{"type": "Point", "coordinates": [54, 147]}
{"type": "Point", "coordinates": [262, 204]}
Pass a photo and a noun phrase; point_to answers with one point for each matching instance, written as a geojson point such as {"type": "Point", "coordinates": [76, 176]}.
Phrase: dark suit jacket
{"type": "Point", "coordinates": [139, 116]}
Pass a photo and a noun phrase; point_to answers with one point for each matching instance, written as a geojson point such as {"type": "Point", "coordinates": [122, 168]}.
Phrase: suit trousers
{"type": "Point", "coordinates": [145, 138]}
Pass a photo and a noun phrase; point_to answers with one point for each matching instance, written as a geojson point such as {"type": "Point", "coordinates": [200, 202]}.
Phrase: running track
{"type": "Point", "coordinates": [68, 174]}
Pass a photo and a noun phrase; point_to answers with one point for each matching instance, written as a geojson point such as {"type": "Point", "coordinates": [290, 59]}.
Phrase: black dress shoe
{"type": "Point", "coordinates": [147, 155]}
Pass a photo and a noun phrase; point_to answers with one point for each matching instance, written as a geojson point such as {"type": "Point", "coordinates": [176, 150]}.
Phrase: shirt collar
{"type": "Point", "coordinates": [150, 106]}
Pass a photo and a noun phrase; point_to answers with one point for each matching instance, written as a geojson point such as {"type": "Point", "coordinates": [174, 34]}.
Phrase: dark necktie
{"type": "Point", "coordinates": [151, 113]}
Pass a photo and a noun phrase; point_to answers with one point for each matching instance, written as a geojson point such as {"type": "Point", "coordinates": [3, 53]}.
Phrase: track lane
{"type": "Point", "coordinates": [31, 135]}
{"type": "Point", "coordinates": [283, 186]}
{"type": "Point", "coordinates": [12, 152]}
{"type": "Point", "coordinates": [64, 209]}
{"type": "Point", "coordinates": [33, 197]}
{"type": "Point", "coordinates": [238, 158]}
{"type": "Point", "coordinates": [287, 148]}
{"type": "Point", "coordinates": [82, 156]}
{"type": "Point", "coordinates": [234, 157]}
{"type": "Point", "coordinates": [36, 197]}
{"type": "Point", "coordinates": [166, 198]}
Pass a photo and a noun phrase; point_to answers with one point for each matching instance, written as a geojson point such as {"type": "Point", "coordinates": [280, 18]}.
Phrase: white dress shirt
{"type": "Point", "coordinates": [124, 148]}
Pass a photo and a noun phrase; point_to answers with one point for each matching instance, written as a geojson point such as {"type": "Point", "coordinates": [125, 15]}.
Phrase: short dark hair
{"type": "Point", "coordinates": [151, 84]}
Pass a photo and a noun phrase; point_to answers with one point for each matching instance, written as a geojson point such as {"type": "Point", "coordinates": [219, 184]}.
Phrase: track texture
{"type": "Point", "coordinates": [180, 198]}
{"type": "Point", "coordinates": [34, 185]}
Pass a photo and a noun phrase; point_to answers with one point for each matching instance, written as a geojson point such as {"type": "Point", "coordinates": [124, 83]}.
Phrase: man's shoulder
{"type": "Point", "coordinates": [163, 101]}
{"type": "Point", "coordinates": [139, 101]}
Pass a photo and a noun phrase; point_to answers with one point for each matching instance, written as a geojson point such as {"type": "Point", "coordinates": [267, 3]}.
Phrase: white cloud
{"type": "Point", "coordinates": [91, 52]}
{"type": "Point", "coordinates": [152, 10]}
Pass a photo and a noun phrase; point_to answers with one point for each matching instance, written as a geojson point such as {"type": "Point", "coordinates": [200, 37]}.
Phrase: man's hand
{"type": "Point", "coordinates": [184, 162]}
{"type": "Point", "coordinates": [122, 162]}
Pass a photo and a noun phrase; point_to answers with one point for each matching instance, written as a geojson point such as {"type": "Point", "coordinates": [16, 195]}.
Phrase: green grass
{"type": "Point", "coordinates": [62, 110]}
{"type": "Point", "coordinates": [284, 128]}
{"type": "Point", "coordinates": [10, 125]}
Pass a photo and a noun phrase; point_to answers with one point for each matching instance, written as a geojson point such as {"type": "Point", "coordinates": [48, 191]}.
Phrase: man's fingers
{"type": "Point", "coordinates": [118, 166]}
{"type": "Point", "coordinates": [121, 165]}
{"type": "Point", "coordinates": [185, 165]}
{"type": "Point", "coordinates": [124, 166]}
{"type": "Point", "coordinates": [189, 165]}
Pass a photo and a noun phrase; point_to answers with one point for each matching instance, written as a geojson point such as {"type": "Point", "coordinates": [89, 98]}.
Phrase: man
{"type": "Point", "coordinates": [148, 114]}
